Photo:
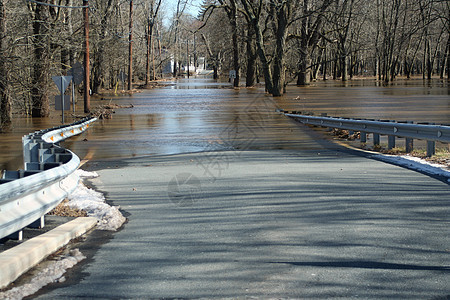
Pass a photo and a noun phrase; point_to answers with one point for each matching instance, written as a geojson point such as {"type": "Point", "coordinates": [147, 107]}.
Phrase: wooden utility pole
{"type": "Point", "coordinates": [130, 48]}
{"type": "Point", "coordinates": [87, 99]}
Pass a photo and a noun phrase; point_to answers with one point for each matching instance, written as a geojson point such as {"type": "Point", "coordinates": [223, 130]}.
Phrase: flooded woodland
{"type": "Point", "coordinates": [192, 115]}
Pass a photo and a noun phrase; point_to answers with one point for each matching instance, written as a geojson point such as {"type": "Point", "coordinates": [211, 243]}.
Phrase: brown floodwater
{"type": "Point", "coordinates": [203, 115]}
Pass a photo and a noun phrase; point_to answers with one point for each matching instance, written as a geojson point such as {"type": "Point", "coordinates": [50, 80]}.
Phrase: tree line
{"type": "Point", "coordinates": [44, 38]}
{"type": "Point", "coordinates": [277, 41]}
{"type": "Point", "coordinates": [303, 40]}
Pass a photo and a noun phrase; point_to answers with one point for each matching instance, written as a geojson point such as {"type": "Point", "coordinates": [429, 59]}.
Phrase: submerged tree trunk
{"type": "Point", "coordinates": [279, 64]}
{"type": "Point", "coordinates": [236, 64]}
{"type": "Point", "coordinates": [153, 13]}
{"type": "Point", "coordinates": [262, 56]}
{"type": "Point", "coordinates": [149, 51]}
{"type": "Point", "coordinates": [304, 74]}
{"type": "Point", "coordinates": [5, 102]}
{"type": "Point", "coordinates": [99, 57]}
{"type": "Point", "coordinates": [448, 59]}
{"type": "Point", "coordinates": [251, 57]}
{"type": "Point", "coordinates": [231, 11]}
{"type": "Point", "coordinates": [304, 70]}
{"type": "Point", "coordinates": [212, 57]}
{"type": "Point", "coordinates": [309, 38]}
{"type": "Point", "coordinates": [41, 67]}
{"type": "Point", "coordinates": [344, 68]}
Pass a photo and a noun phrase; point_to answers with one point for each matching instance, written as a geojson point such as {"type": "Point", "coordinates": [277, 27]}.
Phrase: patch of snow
{"type": "Point", "coordinates": [53, 273]}
{"type": "Point", "coordinates": [93, 203]}
{"type": "Point", "coordinates": [86, 174]}
{"type": "Point", "coordinates": [417, 164]}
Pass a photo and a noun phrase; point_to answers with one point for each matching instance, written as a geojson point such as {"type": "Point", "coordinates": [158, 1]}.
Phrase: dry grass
{"type": "Point", "coordinates": [63, 210]}
{"type": "Point", "coordinates": [345, 134]}
{"type": "Point", "coordinates": [107, 110]}
{"type": "Point", "coordinates": [441, 157]}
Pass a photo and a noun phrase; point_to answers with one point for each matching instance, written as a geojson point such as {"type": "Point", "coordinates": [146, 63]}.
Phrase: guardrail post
{"type": "Point", "coordinates": [409, 142]}
{"type": "Point", "coordinates": [376, 139]}
{"type": "Point", "coordinates": [409, 145]}
{"type": "Point", "coordinates": [18, 236]}
{"type": "Point", "coordinates": [39, 223]}
{"type": "Point", "coordinates": [363, 137]}
{"type": "Point", "coordinates": [391, 141]}
{"type": "Point", "coordinates": [431, 148]}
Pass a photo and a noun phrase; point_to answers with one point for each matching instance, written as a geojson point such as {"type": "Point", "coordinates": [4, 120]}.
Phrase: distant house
{"type": "Point", "coordinates": [199, 69]}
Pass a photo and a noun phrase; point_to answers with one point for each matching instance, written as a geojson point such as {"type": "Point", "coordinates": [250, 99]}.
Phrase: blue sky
{"type": "Point", "coordinates": [192, 7]}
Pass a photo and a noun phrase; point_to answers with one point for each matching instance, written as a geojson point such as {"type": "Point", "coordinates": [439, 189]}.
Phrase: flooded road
{"type": "Point", "coordinates": [203, 115]}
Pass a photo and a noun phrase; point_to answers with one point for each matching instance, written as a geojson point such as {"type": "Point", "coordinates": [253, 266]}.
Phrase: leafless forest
{"type": "Point", "coordinates": [277, 42]}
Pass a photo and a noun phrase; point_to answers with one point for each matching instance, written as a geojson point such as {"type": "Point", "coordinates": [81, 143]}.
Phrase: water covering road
{"type": "Point", "coordinates": [198, 115]}
{"type": "Point", "coordinates": [194, 115]}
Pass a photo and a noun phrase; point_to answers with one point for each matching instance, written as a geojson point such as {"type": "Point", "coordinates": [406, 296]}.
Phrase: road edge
{"type": "Point", "coordinates": [16, 261]}
{"type": "Point", "coordinates": [397, 160]}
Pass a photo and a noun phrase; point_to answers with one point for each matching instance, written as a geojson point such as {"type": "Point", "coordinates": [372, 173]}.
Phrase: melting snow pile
{"type": "Point", "coordinates": [53, 273]}
{"type": "Point", "coordinates": [417, 164]}
{"type": "Point", "coordinates": [93, 203]}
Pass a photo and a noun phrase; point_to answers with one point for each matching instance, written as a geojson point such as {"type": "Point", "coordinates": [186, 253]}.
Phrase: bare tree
{"type": "Point", "coordinates": [343, 16]}
{"type": "Point", "coordinates": [151, 19]}
{"type": "Point", "coordinates": [230, 7]}
{"type": "Point", "coordinates": [181, 6]}
{"type": "Point", "coordinates": [98, 67]}
{"type": "Point", "coordinates": [279, 16]}
{"type": "Point", "coordinates": [311, 23]}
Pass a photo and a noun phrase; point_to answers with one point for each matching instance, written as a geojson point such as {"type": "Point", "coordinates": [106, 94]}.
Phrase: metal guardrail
{"type": "Point", "coordinates": [429, 132]}
{"type": "Point", "coordinates": [47, 178]}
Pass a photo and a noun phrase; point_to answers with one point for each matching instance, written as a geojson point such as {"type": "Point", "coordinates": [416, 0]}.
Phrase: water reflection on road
{"type": "Point", "coordinates": [203, 115]}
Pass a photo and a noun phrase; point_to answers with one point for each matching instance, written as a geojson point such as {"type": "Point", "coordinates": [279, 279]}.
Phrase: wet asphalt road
{"type": "Point", "coordinates": [270, 224]}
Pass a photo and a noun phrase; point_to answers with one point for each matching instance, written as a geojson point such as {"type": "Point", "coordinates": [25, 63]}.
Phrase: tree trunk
{"type": "Point", "coordinates": [130, 49]}
{"type": "Point", "coordinates": [304, 74]}
{"type": "Point", "coordinates": [263, 58]}
{"type": "Point", "coordinates": [212, 57]}
{"type": "Point", "coordinates": [99, 58]}
{"type": "Point", "coordinates": [278, 64]}
{"type": "Point", "coordinates": [5, 102]}
{"type": "Point", "coordinates": [87, 74]}
{"type": "Point", "coordinates": [353, 65]}
{"type": "Point", "coordinates": [67, 52]}
{"type": "Point", "coordinates": [149, 51]}
{"type": "Point", "coordinates": [429, 61]}
{"type": "Point", "coordinates": [407, 68]}
{"type": "Point", "coordinates": [251, 58]}
{"type": "Point", "coordinates": [232, 16]}
{"type": "Point", "coordinates": [215, 73]}
{"type": "Point", "coordinates": [309, 39]}
{"type": "Point", "coordinates": [236, 64]}
{"type": "Point", "coordinates": [41, 51]}
{"type": "Point", "coordinates": [253, 20]}
{"type": "Point", "coordinates": [344, 68]}
{"type": "Point", "coordinates": [448, 59]}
